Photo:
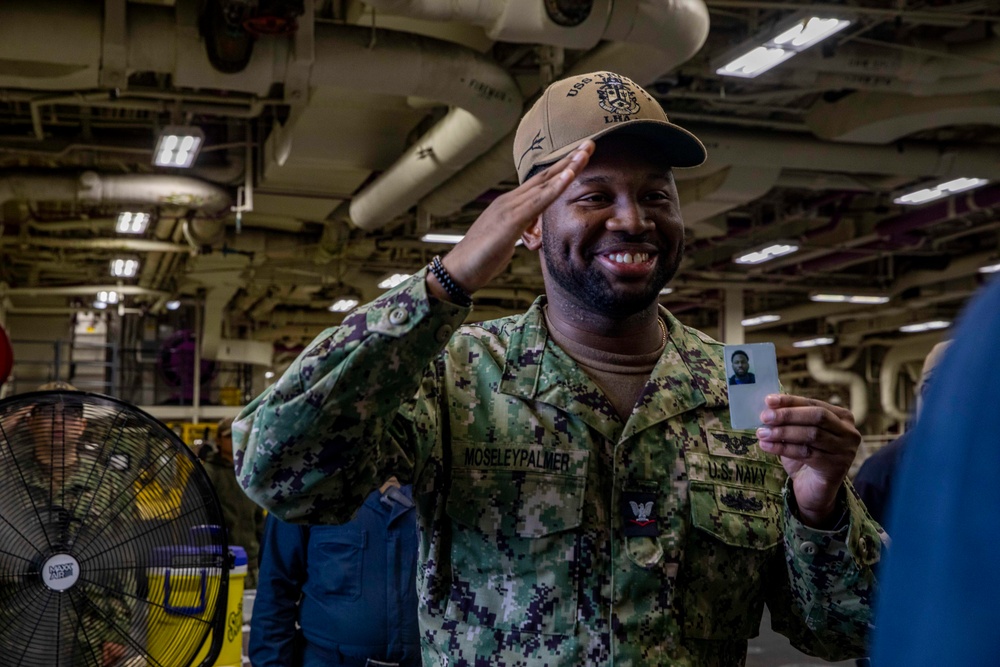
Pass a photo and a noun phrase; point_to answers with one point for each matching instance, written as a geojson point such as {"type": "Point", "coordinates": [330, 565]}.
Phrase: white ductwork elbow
{"type": "Point", "coordinates": [486, 104]}
{"type": "Point", "coordinates": [459, 138]}
{"type": "Point", "coordinates": [888, 377]}
{"type": "Point", "coordinates": [859, 391]}
{"type": "Point", "coordinates": [677, 28]}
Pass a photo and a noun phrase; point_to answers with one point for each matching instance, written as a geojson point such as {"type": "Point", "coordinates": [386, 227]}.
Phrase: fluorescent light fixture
{"type": "Point", "coordinates": [442, 237]}
{"type": "Point", "coordinates": [392, 281]}
{"type": "Point", "coordinates": [809, 31]}
{"type": "Point", "coordinates": [762, 53]}
{"type": "Point", "coordinates": [268, 375]}
{"type": "Point", "coordinates": [342, 305]}
{"type": "Point", "coordinates": [130, 222]}
{"type": "Point", "coordinates": [666, 290]}
{"type": "Point", "coordinates": [925, 326]}
{"type": "Point", "coordinates": [173, 305]}
{"type": "Point", "coordinates": [759, 319]}
{"type": "Point", "coordinates": [929, 193]}
{"type": "Point", "coordinates": [124, 268]}
{"type": "Point", "coordinates": [105, 299]}
{"type": "Point", "coordinates": [754, 62]}
{"type": "Point", "coordinates": [449, 237]}
{"type": "Point", "coordinates": [865, 299]}
{"type": "Point", "coordinates": [990, 268]}
{"type": "Point", "coordinates": [813, 342]}
{"type": "Point", "coordinates": [766, 252]}
{"type": "Point", "coordinates": [108, 297]}
{"type": "Point", "coordinates": [178, 146]}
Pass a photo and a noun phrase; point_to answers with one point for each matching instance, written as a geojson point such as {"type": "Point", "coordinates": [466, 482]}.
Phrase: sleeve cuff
{"type": "Point", "coordinates": [854, 535]}
{"type": "Point", "coordinates": [408, 305]}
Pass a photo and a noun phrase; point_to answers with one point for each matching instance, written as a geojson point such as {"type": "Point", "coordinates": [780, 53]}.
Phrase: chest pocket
{"type": "Point", "coordinates": [515, 545]}
{"type": "Point", "coordinates": [736, 515]}
{"type": "Point", "coordinates": [338, 557]}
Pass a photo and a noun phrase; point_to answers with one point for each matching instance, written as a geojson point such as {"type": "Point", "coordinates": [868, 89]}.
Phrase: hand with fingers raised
{"type": "Point", "coordinates": [817, 443]}
{"type": "Point", "coordinates": [488, 246]}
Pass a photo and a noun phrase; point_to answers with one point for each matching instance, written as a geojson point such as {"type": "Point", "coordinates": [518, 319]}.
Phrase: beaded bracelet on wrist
{"type": "Point", "coordinates": [457, 294]}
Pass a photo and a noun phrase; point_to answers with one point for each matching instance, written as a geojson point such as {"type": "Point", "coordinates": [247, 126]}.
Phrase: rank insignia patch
{"type": "Point", "coordinates": [639, 515]}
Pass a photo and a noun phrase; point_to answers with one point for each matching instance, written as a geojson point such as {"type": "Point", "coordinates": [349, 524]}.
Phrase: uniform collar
{"type": "Point", "coordinates": [396, 500]}
{"type": "Point", "coordinates": [690, 373]}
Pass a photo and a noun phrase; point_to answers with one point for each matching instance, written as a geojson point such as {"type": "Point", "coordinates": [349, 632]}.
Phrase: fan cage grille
{"type": "Point", "coordinates": [105, 545]}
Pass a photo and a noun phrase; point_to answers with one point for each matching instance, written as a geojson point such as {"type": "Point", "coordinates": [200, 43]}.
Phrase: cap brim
{"type": "Point", "coordinates": [678, 146]}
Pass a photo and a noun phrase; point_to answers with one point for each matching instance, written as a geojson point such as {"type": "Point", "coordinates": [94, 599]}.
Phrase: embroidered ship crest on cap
{"type": "Point", "coordinates": [617, 98]}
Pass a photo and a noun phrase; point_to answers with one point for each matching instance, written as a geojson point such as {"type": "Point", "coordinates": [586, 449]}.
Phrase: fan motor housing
{"type": "Point", "coordinates": [60, 572]}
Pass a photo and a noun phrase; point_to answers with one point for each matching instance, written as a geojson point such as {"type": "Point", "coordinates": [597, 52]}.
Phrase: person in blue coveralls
{"type": "Point", "coordinates": [350, 589]}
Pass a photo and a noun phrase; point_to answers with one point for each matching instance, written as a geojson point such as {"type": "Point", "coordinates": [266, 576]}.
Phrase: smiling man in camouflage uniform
{"type": "Point", "coordinates": [583, 499]}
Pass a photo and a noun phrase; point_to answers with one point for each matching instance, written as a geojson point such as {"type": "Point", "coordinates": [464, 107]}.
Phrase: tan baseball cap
{"type": "Point", "coordinates": [590, 106]}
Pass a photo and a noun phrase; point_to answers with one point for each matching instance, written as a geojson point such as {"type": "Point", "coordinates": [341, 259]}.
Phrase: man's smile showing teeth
{"type": "Point", "coordinates": [629, 258]}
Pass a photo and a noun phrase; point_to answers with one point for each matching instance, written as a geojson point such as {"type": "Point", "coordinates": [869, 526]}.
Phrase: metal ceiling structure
{"type": "Point", "coordinates": [337, 133]}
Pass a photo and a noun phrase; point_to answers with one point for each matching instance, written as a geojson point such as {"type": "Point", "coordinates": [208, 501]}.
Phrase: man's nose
{"type": "Point", "coordinates": [629, 216]}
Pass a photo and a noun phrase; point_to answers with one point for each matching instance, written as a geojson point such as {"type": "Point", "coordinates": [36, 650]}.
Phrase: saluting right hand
{"type": "Point", "coordinates": [488, 246]}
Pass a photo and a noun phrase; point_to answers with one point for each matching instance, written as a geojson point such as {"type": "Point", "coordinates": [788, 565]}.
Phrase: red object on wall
{"type": "Point", "coordinates": [6, 356]}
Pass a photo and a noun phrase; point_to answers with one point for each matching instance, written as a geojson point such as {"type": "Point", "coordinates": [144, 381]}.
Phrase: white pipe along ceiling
{"type": "Point", "coordinates": [337, 133]}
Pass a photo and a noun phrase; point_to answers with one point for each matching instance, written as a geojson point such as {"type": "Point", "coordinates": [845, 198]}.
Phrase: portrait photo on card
{"type": "Point", "coordinates": [751, 374]}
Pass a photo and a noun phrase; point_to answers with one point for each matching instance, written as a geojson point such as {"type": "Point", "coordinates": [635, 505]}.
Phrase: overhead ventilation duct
{"type": "Point", "coordinates": [858, 389]}
{"type": "Point", "coordinates": [931, 69]}
{"type": "Point", "coordinates": [705, 198]}
{"type": "Point", "coordinates": [834, 312]}
{"type": "Point", "coordinates": [484, 99]}
{"type": "Point", "coordinates": [486, 102]}
{"type": "Point", "coordinates": [755, 163]}
{"type": "Point", "coordinates": [207, 200]}
{"type": "Point", "coordinates": [892, 364]}
{"type": "Point", "coordinates": [894, 232]}
{"type": "Point", "coordinates": [676, 27]}
{"type": "Point", "coordinates": [93, 189]}
{"type": "Point", "coordinates": [900, 92]}
{"type": "Point", "coordinates": [220, 276]}
{"type": "Point", "coordinates": [882, 118]}
{"type": "Point", "coordinates": [133, 245]}
{"type": "Point", "coordinates": [642, 40]}
{"type": "Point", "coordinates": [802, 152]}
{"type": "Point", "coordinates": [82, 290]}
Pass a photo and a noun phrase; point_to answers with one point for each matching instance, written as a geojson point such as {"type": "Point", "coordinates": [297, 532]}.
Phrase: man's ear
{"type": "Point", "coordinates": [532, 236]}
